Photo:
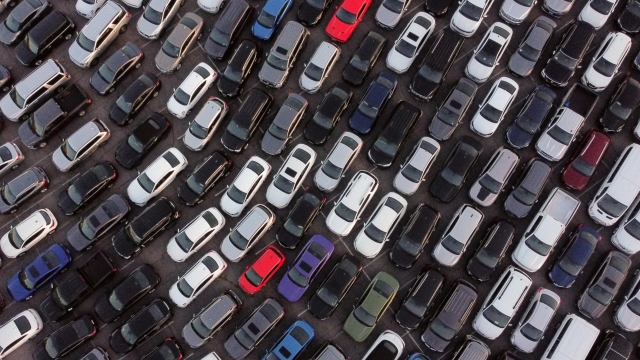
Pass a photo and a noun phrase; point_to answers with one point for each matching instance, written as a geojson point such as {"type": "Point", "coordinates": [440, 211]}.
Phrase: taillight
{"type": "Point", "coordinates": [88, 101]}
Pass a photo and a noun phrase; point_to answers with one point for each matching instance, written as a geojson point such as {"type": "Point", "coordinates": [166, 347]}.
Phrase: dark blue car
{"type": "Point", "coordinates": [574, 257]}
{"type": "Point", "coordinates": [529, 120]}
{"type": "Point", "coordinates": [292, 342]}
{"type": "Point", "coordinates": [418, 356]}
{"type": "Point", "coordinates": [25, 282]}
{"type": "Point", "coordinates": [372, 103]}
{"type": "Point", "coordinates": [270, 16]}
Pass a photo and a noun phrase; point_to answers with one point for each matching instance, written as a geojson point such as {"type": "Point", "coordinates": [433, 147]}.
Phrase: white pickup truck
{"type": "Point", "coordinates": [545, 230]}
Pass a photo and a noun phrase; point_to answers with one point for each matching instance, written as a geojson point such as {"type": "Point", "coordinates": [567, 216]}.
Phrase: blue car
{"type": "Point", "coordinates": [373, 102]}
{"type": "Point", "coordinates": [270, 16]}
{"type": "Point", "coordinates": [418, 356]}
{"type": "Point", "coordinates": [528, 122]}
{"type": "Point", "coordinates": [292, 342]}
{"type": "Point", "coordinates": [574, 257]}
{"type": "Point", "coordinates": [25, 282]}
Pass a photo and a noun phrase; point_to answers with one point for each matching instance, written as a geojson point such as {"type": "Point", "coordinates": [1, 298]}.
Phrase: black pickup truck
{"type": "Point", "coordinates": [52, 115]}
{"type": "Point", "coordinates": [77, 286]}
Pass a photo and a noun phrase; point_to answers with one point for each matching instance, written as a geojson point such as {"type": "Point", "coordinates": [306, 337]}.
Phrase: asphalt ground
{"type": "Point", "coordinates": [331, 329]}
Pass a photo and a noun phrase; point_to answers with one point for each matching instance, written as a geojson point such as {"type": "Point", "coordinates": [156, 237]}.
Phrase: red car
{"type": "Point", "coordinates": [256, 276]}
{"type": "Point", "coordinates": [577, 174]}
{"type": "Point", "coordinates": [346, 19]}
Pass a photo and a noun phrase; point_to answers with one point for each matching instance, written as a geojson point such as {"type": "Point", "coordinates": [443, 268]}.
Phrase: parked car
{"type": "Point", "coordinates": [177, 45]}
{"type": "Point", "coordinates": [525, 194]}
{"type": "Point", "coordinates": [629, 19]}
{"type": "Point", "coordinates": [86, 187]}
{"type": "Point", "coordinates": [191, 89]}
{"type": "Point", "coordinates": [319, 66]}
{"type": "Point", "coordinates": [211, 318]}
{"type": "Point", "coordinates": [247, 233]}
{"type": "Point", "coordinates": [410, 42]}
{"type": "Point", "coordinates": [82, 235]}
{"type": "Point", "coordinates": [352, 202]}
{"type": "Point", "coordinates": [419, 299]}
{"type": "Point", "coordinates": [30, 231]}
{"type": "Point", "coordinates": [578, 172]}
{"type": "Point", "coordinates": [450, 113]}
{"type": "Point", "coordinates": [142, 140]}
{"type": "Point", "coordinates": [372, 305]}
{"type": "Point", "coordinates": [18, 330]}
{"type": "Point", "coordinates": [597, 13]}
{"type": "Point", "coordinates": [574, 257]}
{"type": "Point", "coordinates": [626, 314]}
{"type": "Point", "coordinates": [195, 280]}
{"type": "Point", "coordinates": [391, 138]}
{"type": "Point", "coordinates": [490, 252]}
{"type": "Point", "coordinates": [468, 16]}
{"type": "Point", "coordinates": [621, 105]}
{"type": "Point", "coordinates": [156, 17]}
{"type": "Point", "coordinates": [255, 106]}
{"type": "Point", "coordinates": [346, 19]}
{"type": "Point", "coordinates": [134, 98]}
{"type": "Point", "coordinates": [614, 345]}
{"type": "Point", "coordinates": [44, 37]}
{"type": "Point", "coordinates": [88, 10]}
{"type": "Point", "coordinates": [557, 8]}
{"type": "Point", "coordinates": [568, 54]}
{"type": "Point", "coordinates": [627, 235]}
{"type": "Point", "coordinates": [211, 6]}
{"type": "Point", "coordinates": [169, 349]}
{"type": "Point", "coordinates": [329, 351]}
{"type": "Point", "coordinates": [293, 341]}
{"type": "Point", "coordinates": [494, 177]}
{"type": "Point", "coordinates": [65, 339]}
{"type": "Point", "coordinates": [373, 102]}
{"type": "Point", "coordinates": [116, 67]}
{"type": "Point", "coordinates": [283, 54]}
{"type": "Point", "coordinates": [22, 188]}
{"type": "Point", "coordinates": [327, 114]}
{"type": "Point", "coordinates": [337, 162]}
{"type": "Point", "coordinates": [380, 225]}
{"type": "Point", "coordinates": [140, 326]}
{"type": "Point", "coordinates": [515, 12]}
{"type": "Point", "coordinates": [535, 320]}
{"type": "Point", "coordinates": [22, 18]}
{"type": "Point", "coordinates": [449, 180]}
{"type": "Point", "coordinates": [310, 12]}
{"type": "Point", "coordinates": [364, 58]}
{"type": "Point", "coordinates": [79, 145]}
{"type": "Point", "coordinates": [390, 12]}
{"type": "Point", "coordinates": [300, 217]}
{"type": "Point", "coordinates": [245, 185]}
{"type": "Point", "coordinates": [254, 329]}
{"type": "Point", "coordinates": [209, 172]}
{"type": "Point", "coordinates": [238, 69]}
{"type": "Point", "coordinates": [334, 287]}
{"type": "Point", "coordinates": [527, 123]}
{"type": "Point", "coordinates": [457, 236]}
{"type": "Point", "coordinates": [487, 54]}
{"type": "Point", "coordinates": [284, 124]}
{"type": "Point", "coordinates": [194, 235]}
{"type": "Point", "coordinates": [605, 63]}
{"type": "Point", "coordinates": [97, 353]}
{"type": "Point", "coordinates": [24, 283]}
{"type": "Point", "coordinates": [10, 157]}
{"type": "Point", "coordinates": [472, 348]}
{"type": "Point", "coordinates": [604, 285]}
{"type": "Point", "coordinates": [437, 7]}
{"type": "Point", "coordinates": [258, 274]}
{"type": "Point", "coordinates": [269, 18]}
{"type": "Point", "coordinates": [415, 235]}
{"type": "Point", "coordinates": [156, 177]}
{"type": "Point", "coordinates": [5, 79]}
{"type": "Point", "coordinates": [494, 107]}
{"type": "Point", "coordinates": [531, 47]}
{"type": "Point", "coordinates": [204, 125]}
{"type": "Point", "coordinates": [414, 170]}
{"type": "Point", "coordinates": [388, 345]}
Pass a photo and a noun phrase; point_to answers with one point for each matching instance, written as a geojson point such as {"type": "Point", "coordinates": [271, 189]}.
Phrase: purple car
{"type": "Point", "coordinates": [307, 265]}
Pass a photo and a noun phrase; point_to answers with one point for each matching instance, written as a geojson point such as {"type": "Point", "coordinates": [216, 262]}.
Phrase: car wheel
{"type": "Point", "coordinates": [42, 144]}
{"type": "Point", "coordinates": [82, 113]}
{"type": "Point", "coordinates": [123, 29]}
{"type": "Point", "coordinates": [93, 62]}
{"type": "Point", "coordinates": [44, 190]}
{"type": "Point", "coordinates": [178, 66]}
{"type": "Point", "coordinates": [38, 62]}
{"type": "Point", "coordinates": [5, 88]}
{"type": "Point", "coordinates": [15, 166]}
{"type": "Point", "coordinates": [155, 94]}
{"type": "Point", "coordinates": [68, 36]}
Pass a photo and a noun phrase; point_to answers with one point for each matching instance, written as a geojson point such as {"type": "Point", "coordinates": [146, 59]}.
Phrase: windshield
{"type": "Point", "coordinates": [124, 104]}
{"type": "Point", "coordinates": [430, 74]}
{"type": "Point", "coordinates": [528, 52]}
{"type": "Point", "coordinates": [569, 266]}
{"type": "Point", "coordinates": [375, 234]}
{"type": "Point", "coordinates": [238, 131]}
{"type": "Point", "coordinates": [267, 20]}
{"type": "Point", "coordinates": [146, 183]}
{"type": "Point", "coordinates": [602, 6]}
{"type": "Point", "coordinates": [565, 60]}
{"type": "Point", "coordinates": [106, 73]}
{"type": "Point", "coordinates": [524, 196]}
{"type": "Point", "coordinates": [531, 332]}
{"type": "Point", "coordinates": [442, 330]}
{"type": "Point", "coordinates": [314, 72]}
{"type": "Point", "coordinates": [491, 113]}
{"type": "Point", "coordinates": [33, 47]}
{"type": "Point", "coordinates": [198, 130]}
{"type": "Point", "coordinates": [19, 100]}
{"type": "Point", "coordinates": [368, 110]}
{"type": "Point", "coordinates": [634, 306]}
{"type": "Point", "coordinates": [135, 144]}
{"type": "Point", "coordinates": [471, 11]}
{"type": "Point", "coordinates": [364, 317]}
{"type": "Point", "coordinates": [490, 184]}
{"type": "Point", "coordinates": [115, 301]}
{"type": "Point", "coordinates": [219, 37]}
{"type": "Point", "coordinates": [487, 54]}
{"type": "Point", "coordinates": [447, 116]}
{"type": "Point", "coordinates": [537, 245]}
{"type": "Point", "coordinates": [253, 277]}
{"type": "Point", "coordinates": [485, 258]}
{"type": "Point", "coordinates": [611, 206]}
{"type": "Point", "coordinates": [74, 194]}
{"type": "Point", "coordinates": [232, 75]}
{"type": "Point", "coordinates": [276, 62]}
{"type": "Point", "coordinates": [600, 295]}
{"type": "Point", "coordinates": [293, 228]}
{"type": "Point", "coordinates": [86, 43]}
{"type": "Point", "coordinates": [496, 317]}
{"type": "Point", "coordinates": [346, 17]}
{"type": "Point", "coordinates": [200, 328]}
{"type": "Point", "coordinates": [133, 236]}
{"type": "Point", "coordinates": [316, 4]}
{"type": "Point", "coordinates": [633, 228]}
{"type": "Point", "coordinates": [170, 49]}
{"type": "Point", "coordinates": [152, 15]}
{"type": "Point", "coordinates": [394, 6]}
{"type": "Point", "coordinates": [409, 246]}
{"type": "Point", "coordinates": [238, 240]}
{"type": "Point", "coordinates": [331, 170]}
{"type": "Point", "coordinates": [184, 242]}
{"type": "Point", "coordinates": [127, 334]}
{"type": "Point", "coordinates": [181, 96]}
{"type": "Point", "coordinates": [386, 147]}
{"type": "Point", "coordinates": [184, 288]}
{"type": "Point", "coordinates": [298, 278]}
{"type": "Point", "coordinates": [244, 339]}
{"type": "Point", "coordinates": [236, 195]}
{"type": "Point", "coordinates": [560, 135]}
{"type": "Point", "coordinates": [451, 176]}
{"type": "Point", "coordinates": [68, 151]}
{"type": "Point", "coordinates": [604, 67]}
{"type": "Point", "coordinates": [25, 281]}
{"type": "Point", "coordinates": [15, 239]}
{"type": "Point", "coordinates": [527, 125]}
{"type": "Point", "coordinates": [86, 229]}
{"type": "Point", "coordinates": [12, 24]}
{"type": "Point", "coordinates": [620, 111]}
{"type": "Point", "coordinates": [405, 48]}
{"type": "Point", "coordinates": [195, 185]}
{"type": "Point", "coordinates": [583, 167]}
{"type": "Point", "coordinates": [454, 246]}
{"type": "Point", "coordinates": [415, 307]}
{"type": "Point", "coordinates": [345, 213]}
{"type": "Point", "coordinates": [412, 173]}
{"type": "Point", "coordinates": [277, 132]}
{"type": "Point", "coordinates": [283, 184]}
{"type": "Point", "coordinates": [58, 300]}
{"type": "Point", "coordinates": [358, 63]}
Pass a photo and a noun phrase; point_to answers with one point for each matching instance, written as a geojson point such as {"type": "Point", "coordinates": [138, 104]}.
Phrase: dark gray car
{"type": "Point", "coordinates": [21, 19]}
{"type": "Point", "coordinates": [604, 285]}
{"type": "Point", "coordinates": [452, 110]}
{"type": "Point", "coordinates": [533, 43]}
{"type": "Point", "coordinates": [179, 42]}
{"type": "Point", "coordinates": [284, 124]}
{"type": "Point", "coordinates": [115, 68]}
{"type": "Point", "coordinates": [526, 193]}
{"type": "Point", "coordinates": [254, 329]}
{"type": "Point", "coordinates": [21, 188]}
{"type": "Point", "coordinates": [211, 318]}
{"type": "Point", "coordinates": [89, 229]}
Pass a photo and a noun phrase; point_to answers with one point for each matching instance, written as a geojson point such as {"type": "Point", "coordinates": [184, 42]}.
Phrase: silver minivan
{"type": "Point", "coordinates": [283, 54]}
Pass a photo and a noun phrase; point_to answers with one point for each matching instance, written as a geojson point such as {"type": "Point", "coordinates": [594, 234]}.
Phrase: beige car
{"type": "Point", "coordinates": [179, 42]}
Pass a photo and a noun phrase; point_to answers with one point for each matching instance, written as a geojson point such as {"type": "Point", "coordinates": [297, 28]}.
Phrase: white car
{"type": "Point", "coordinates": [191, 89]}
{"type": "Point", "coordinates": [409, 44]}
{"type": "Point", "coordinates": [494, 176]}
{"type": "Point", "coordinates": [596, 12]}
{"type": "Point", "coordinates": [197, 278]}
{"type": "Point", "coordinates": [380, 225]}
{"type": "Point", "coordinates": [627, 315]}
{"type": "Point", "coordinates": [319, 67]}
{"type": "Point", "coordinates": [133, 3]}
{"type": "Point", "coordinates": [247, 233]}
{"type": "Point", "coordinates": [627, 236]}
{"type": "Point", "coordinates": [17, 331]}
{"type": "Point", "coordinates": [289, 178]}
{"type": "Point", "coordinates": [486, 56]}
{"type": "Point", "coordinates": [457, 235]}
{"type": "Point", "coordinates": [415, 168]}
{"type": "Point", "coordinates": [390, 12]}
{"type": "Point", "coordinates": [543, 234]}
{"type": "Point", "coordinates": [516, 11]}
{"type": "Point", "coordinates": [468, 16]}
{"type": "Point", "coordinates": [10, 157]}
{"type": "Point", "coordinates": [494, 106]}
{"type": "Point", "coordinates": [195, 234]}
{"type": "Point", "coordinates": [205, 124]}
{"type": "Point", "coordinates": [337, 162]}
{"type": "Point", "coordinates": [554, 141]}
{"type": "Point", "coordinates": [156, 17]}
{"type": "Point", "coordinates": [28, 232]}
{"type": "Point", "coordinates": [352, 202]}
{"type": "Point", "coordinates": [605, 63]}
{"type": "Point", "coordinates": [388, 343]}
{"type": "Point", "coordinates": [211, 6]}
{"type": "Point", "coordinates": [246, 184]}
{"type": "Point", "coordinates": [88, 8]}
{"type": "Point", "coordinates": [535, 320]}
{"type": "Point", "coordinates": [157, 176]}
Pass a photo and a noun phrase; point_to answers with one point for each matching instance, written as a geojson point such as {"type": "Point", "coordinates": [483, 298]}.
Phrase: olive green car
{"type": "Point", "coordinates": [372, 305]}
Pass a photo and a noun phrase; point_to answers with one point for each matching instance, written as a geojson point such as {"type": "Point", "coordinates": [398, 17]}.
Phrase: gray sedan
{"type": "Point", "coordinates": [156, 16]}
{"type": "Point", "coordinates": [210, 319]}
{"type": "Point", "coordinates": [452, 110]}
{"type": "Point", "coordinates": [284, 124]}
{"type": "Point", "coordinates": [178, 43]}
{"type": "Point", "coordinates": [533, 43]}
{"type": "Point", "coordinates": [605, 285]}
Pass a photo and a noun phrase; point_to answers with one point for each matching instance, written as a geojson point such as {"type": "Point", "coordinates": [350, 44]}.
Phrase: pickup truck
{"type": "Point", "coordinates": [545, 230]}
{"type": "Point", "coordinates": [77, 286]}
{"type": "Point", "coordinates": [566, 122]}
{"type": "Point", "coordinates": [52, 115]}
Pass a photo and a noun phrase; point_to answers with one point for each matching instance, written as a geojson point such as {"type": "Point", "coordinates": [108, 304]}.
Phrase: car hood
{"type": "Point", "coordinates": [625, 242]}
{"type": "Point", "coordinates": [325, 183]}
{"type": "Point", "coordinates": [262, 32]}
{"type": "Point", "coordinates": [214, 49]}
{"type": "Point", "coordinates": [433, 341]}
{"type": "Point", "coordinates": [338, 29]}
{"type": "Point", "coordinates": [518, 137]}
{"type": "Point", "coordinates": [560, 278]}
{"type": "Point", "coordinates": [588, 14]}
{"type": "Point", "coordinates": [164, 62]}
{"type": "Point", "coordinates": [360, 123]}
{"type": "Point", "coordinates": [463, 23]}
{"type": "Point", "coordinates": [228, 87]}
{"type": "Point", "coordinates": [24, 55]}
{"type": "Point", "coordinates": [78, 54]}
{"type": "Point", "coordinates": [230, 207]}
{"type": "Point", "coordinates": [309, 15]}
{"type": "Point", "coordinates": [234, 349]}
{"type": "Point", "coordinates": [355, 329]}
{"type": "Point", "coordinates": [486, 328]}
{"type": "Point", "coordinates": [126, 156]}
{"type": "Point", "coordinates": [122, 245]}
{"type": "Point", "coordinates": [444, 256]}
{"type": "Point", "coordinates": [309, 85]}
{"type": "Point", "coordinates": [338, 226]}
{"type": "Point", "coordinates": [60, 161]}
{"type": "Point", "coordinates": [629, 22]}
{"type": "Point", "coordinates": [230, 251]}
{"type": "Point", "coordinates": [595, 80]}
{"type": "Point", "coordinates": [558, 7]}
{"type": "Point", "coordinates": [422, 88]}
{"type": "Point", "coordinates": [478, 71]}
{"type": "Point", "coordinates": [319, 308]}
{"type": "Point", "coordinates": [589, 307]}
{"type": "Point", "coordinates": [272, 75]}
{"type": "Point", "coordinates": [404, 185]}
{"type": "Point", "coordinates": [271, 145]}
{"type": "Point", "coordinates": [522, 343]}
{"type": "Point", "coordinates": [627, 320]}
{"type": "Point", "coordinates": [65, 203]}
{"type": "Point", "coordinates": [147, 28]}
{"type": "Point", "coordinates": [16, 290]}
{"type": "Point", "coordinates": [27, 136]}
{"type": "Point", "coordinates": [387, 17]}
{"type": "Point", "coordinates": [316, 134]}
{"type": "Point", "coordinates": [557, 72]}
{"type": "Point", "coordinates": [98, 83]}
{"type": "Point", "coordinates": [515, 10]}
{"type": "Point", "coordinates": [76, 238]}
{"type": "Point", "coordinates": [483, 196]}
{"type": "Point", "coordinates": [187, 195]}
{"type": "Point", "coordinates": [7, 37]}
{"type": "Point", "coordinates": [515, 207]}
{"type": "Point", "coordinates": [366, 246]}
{"type": "Point", "coordinates": [442, 189]}
{"type": "Point", "coordinates": [406, 319]}
{"type": "Point", "coordinates": [578, 181]}
{"type": "Point", "coordinates": [104, 310]}
{"type": "Point", "coordinates": [478, 270]}
{"type": "Point", "coordinates": [551, 147]}
{"type": "Point", "coordinates": [289, 290]}
{"type": "Point", "coordinates": [401, 258]}
{"type": "Point", "coordinates": [520, 66]}
{"type": "Point", "coordinates": [398, 62]}
{"type": "Point", "coordinates": [9, 108]}
{"type": "Point", "coordinates": [439, 129]}
{"type": "Point", "coordinates": [190, 336]}
{"type": "Point", "coordinates": [527, 258]}
{"type": "Point", "coordinates": [137, 194]}
{"type": "Point", "coordinates": [118, 344]}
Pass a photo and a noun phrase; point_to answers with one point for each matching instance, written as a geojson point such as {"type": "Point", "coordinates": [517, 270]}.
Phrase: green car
{"type": "Point", "coordinates": [372, 305]}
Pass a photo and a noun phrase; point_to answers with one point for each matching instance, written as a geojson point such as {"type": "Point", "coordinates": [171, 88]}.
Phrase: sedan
{"type": "Point", "coordinates": [597, 13]}
{"type": "Point", "coordinates": [487, 54]}
{"type": "Point", "coordinates": [410, 42]}
{"type": "Point", "coordinates": [246, 184]}
{"type": "Point", "coordinates": [334, 287]}
{"type": "Point", "coordinates": [310, 11]}
{"type": "Point", "coordinates": [494, 177]}
{"type": "Point", "coordinates": [64, 340]}
{"type": "Point", "coordinates": [10, 157]}
{"type": "Point", "coordinates": [22, 188]}
{"type": "Point", "coordinates": [373, 102]}
{"type": "Point", "coordinates": [351, 203]}
{"type": "Point", "coordinates": [195, 280]}
{"type": "Point", "coordinates": [191, 90]}
{"type": "Point", "coordinates": [88, 8]}
{"type": "Point", "coordinates": [269, 17]}
{"type": "Point", "coordinates": [449, 180]}
{"type": "Point", "coordinates": [468, 16]}
{"type": "Point", "coordinates": [116, 67]}
{"type": "Point", "coordinates": [533, 43]}
{"type": "Point", "coordinates": [319, 66]}
{"type": "Point", "coordinates": [450, 113]}
{"type": "Point", "coordinates": [156, 17]}
{"type": "Point", "coordinates": [254, 329]}
{"type": "Point", "coordinates": [86, 187]}
{"type": "Point", "coordinates": [419, 299]}
{"type": "Point", "coordinates": [24, 283]}
{"type": "Point", "coordinates": [179, 42]}
{"type": "Point", "coordinates": [627, 313]}
{"type": "Point", "coordinates": [494, 107]}
{"type": "Point", "coordinates": [18, 330]}
{"type": "Point", "coordinates": [209, 172]}
{"type": "Point", "coordinates": [157, 176]}
{"type": "Point", "coordinates": [377, 229]}
{"type": "Point", "coordinates": [28, 233]}
{"type": "Point", "coordinates": [258, 274]}
{"type": "Point", "coordinates": [415, 235]}
{"type": "Point", "coordinates": [604, 285]}
{"type": "Point", "coordinates": [247, 233]}
{"type": "Point", "coordinates": [140, 326]}
{"type": "Point", "coordinates": [142, 140]}
{"type": "Point", "coordinates": [621, 105]}
{"type": "Point", "coordinates": [607, 61]}
{"type": "Point", "coordinates": [390, 12]}
{"type": "Point", "coordinates": [238, 69]}
{"type": "Point", "coordinates": [300, 218]}
{"type": "Point", "coordinates": [79, 145]}
{"type": "Point", "coordinates": [291, 175]}
{"type": "Point", "coordinates": [458, 234]}
{"type": "Point", "coordinates": [284, 124]}
{"type": "Point", "coordinates": [292, 342]}
{"type": "Point", "coordinates": [337, 162]}
{"type": "Point", "coordinates": [627, 237]}
{"type": "Point", "coordinates": [535, 320]}
{"type": "Point", "coordinates": [578, 172]}
{"type": "Point", "coordinates": [531, 116]}
{"type": "Point", "coordinates": [211, 318]}
{"type": "Point", "coordinates": [134, 98]}
{"type": "Point", "coordinates": [363, 59]}
{"type": "Point", "coordinates": [195, 234]}
{"type": "Point", "coordinates": [415, 168]}
{"type": "Point", "coordinates": [21, 19]}
{"type": "Point", "coordinates": [328, 114]}
{"type": "Point", "coordinates": [205, 124]}
{"type": "Point", "coordinates": [346, 19]}
{"type": "Point", "coordinates": [82, 235]}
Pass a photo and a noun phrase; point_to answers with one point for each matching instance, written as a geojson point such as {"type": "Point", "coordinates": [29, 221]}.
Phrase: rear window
{"type": "Point", "coordinates": [23, 325]}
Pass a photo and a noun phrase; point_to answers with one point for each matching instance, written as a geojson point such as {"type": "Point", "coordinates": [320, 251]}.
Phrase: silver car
{"type": "Point", "coordinates": [390, 12]}
{"type": "Point", "coordinates": [452, 110]}
{"type": "Point", "coordinates": [247, 233]}
{"type": "Point", "coordinates": [178, 43]}
{"type": "Point", "coordinates": [495, 175]}
{"type": "Point", "coordinates": [156, 16]}
{"type": "Point", "coordinates": [533, 43]}
{"type": "Point", "coordinates": [515, 12]}
{"type": "Point", "coordinates": [338, 160]}
{"type": "Point", "coordinates": [415, 168]}
{"type": "Point", "coordinates": [80, 144]}
{"type": "Point", "coordinates": [319, 67]}
{"type": "Point", "coordinates": [10, 157]}
{"type": "Point", "coordinates": [205, 123]}
{"type": "Point", "coordinates": [210, 319]}
{"type": "Point", "coordinates": [277, 136]}
{"type": "Point", "coordinates": [535, 320]}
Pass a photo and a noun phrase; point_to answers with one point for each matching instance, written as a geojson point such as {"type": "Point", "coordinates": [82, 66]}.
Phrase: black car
{"type": "Point", "coordinates": [421, 296]}
{"type": "Point", "coordinates": [335, 286]}
{"type": "Point", "coordinates": [364, 58]}
{"type": "Point", "coordinates": [491, 251]}
{"type": "Point", "coordinates": [568, 55]}
{"type": "Point", "coordinates": [437, 7]}
{"type": "Point", "coordinates": [145, 227]}
{"type": "Point", "coordinates": [390, 140]}
{"type": "Point", "coordinates": [622, 104]}
{"type": "Point", "coordinates": [300, 218]}
{"type": "Point", "coordinates": [614, 346]}
{"type": "Point", "coordinates": [89, 229]}
{"type": "Point", "coordinates": [139, 283]}
{"type": "Point", "coordinates": [66, 339]}
{"type": "Point", "coordinates": [629, 19]}
{"type": "Point", "coordinates": [255, 106]}
{"type": "Point", "coordinates": [5, 79]}
{"type": "Point", "coordinates": [204, 177]}
{"type": "Point", "coordinates": [242, 62]}
{"type": "Point", "coordinates": [140, 326]}
{"type": "Point", "coordinates": [141, 90]}
{"type": "Point", "coordinates": [115, 68]}
{"type": "Point", "coordinates": [310, 11]}
{"type": "Point", "coordinates": [527, 124]}
{"type": "Point", "coordinates": [414, 236]}
{"type": "Point", "coordinates": [327, 114]}
{"type": "Point", "coordinates": [143, 138]}
{"type": "Point", "coordinates": [227, 28]}
{"type": "Point", "coordinates": [22, 188]}
{"type": "Point", "coordinates": [449, 180]}
{"type": "Point", "coordinates": [21, 19]}
{"type": "Point", "coordinates": [43, 38]}
{"type": "Point", "coordinates": [169, 349]}
{"type": "Point", "coordinates": [86, 187]}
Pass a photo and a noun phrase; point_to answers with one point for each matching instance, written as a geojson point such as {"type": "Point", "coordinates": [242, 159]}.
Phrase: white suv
{"type": "Point", "coordinates": [246, 184]}
{"type": "Point", "coordinates": [486, 56]}
{"type": "Point", "coordinates": [17, 331]}
{"type": "Point", "coordinates": [627, 236]}
{"type": "Point", "coordinates": [607, 60]}
{"type": "Point", "coordinates": [410, 42]}
{"type": "Point", "coordinates": [28, 232]}
{"type": "Point", "coordinates": [458, 234]}
{"type": "Point", "coordinates": [191, 89]}
{"type": "Point", "coordinates": [338, 160]}
{"type": "Point", "coordinates": [415, 168]}
{"type": "Point", "coordinates": [157, 176]}
{"type": "Point", "coordinates": [247, 233]}
{"type": "Point", "coordinates": [626, 316]}
{"type": "Point", "coordinates": [468, 16]}
{"type": "Point", "coordinates": [197, 278]}
{"type": "Point", "coordinates": [292, 173]}
{"type": "Point", "coordinates": [380, 225]}
{"type": "Point", "coordinates": [494, 106]}
{"type": "Point", "coordinates": [195, 234]}
{"type": "Point", "coordinates": [351, 203]}
{"type": "Point", "coordinates": [597, 15]}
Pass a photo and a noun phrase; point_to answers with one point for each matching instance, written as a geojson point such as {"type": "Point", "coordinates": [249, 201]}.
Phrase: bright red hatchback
{"type": "Point", "coordinates": [346, 19]}
{"type": "Point", "coordinates": [256, 276]}
{"type": "Point", "coordinates": [579, 171]}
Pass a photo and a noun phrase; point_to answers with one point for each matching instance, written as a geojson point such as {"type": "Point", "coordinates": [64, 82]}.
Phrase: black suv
{"type": "Point", "coordinates": [335, 286]}
{"type": "Point", "coordinates": [414, 236]}
{"type": "Point", "coordinates": [449, 180]}
{"type": "Point", "coordinates": [364, 58]}
{"type": "Point", "coordinates": [22, 188]}
{"type": "Point", "coordinates": [89, 229]}
{"type": "Point", "coordinates": [44, 37]}
{"type": "Point", "coordinates": [568, 55]}
{"type": "Point", "coordinates": [622, 104]}
{"type": "Point", "coordinates": [390, 140]}
{"type": "Point", "coordinates": [310, 11]}
{"type": "Point", "coordinates": [143, 89]}
{"type": "Point", "coordinates": [491, 251]}
{"type": "Point", "coordinates": [119, 64]}
{"type": "Point", "coordinates": [242, 62]}
{"type": "Point", "coordinates": [300, 218]}
{"type": "Point", "coordinates": [140, 326]}
{"type": "Point", "coordinates": [227, 28]}
{"type": "Point", "coordinates": [327, 114]}
{"type": "Point", "coordinates": [421, 296]}
{"type": "Point", "coordinates": [246, 120]}
{"type": "Point", "coordinates": [145, 227]}
{"type": "Point", "coordinates": [86, 187]}
{"type": "Point", "coordinates": [204, 177]}
{"type": "Point", "coordinates": [144, 137]}
{"type": "Point", "coordinates": [67, 338]}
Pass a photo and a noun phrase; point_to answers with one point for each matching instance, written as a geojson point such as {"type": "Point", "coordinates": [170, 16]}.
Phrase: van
{"type": "Point", "coordinates": [33, 90]}
{"type": "Point", "coordinates": [254, 108]}
{"type": "Point", "coordinates": [226, 30]}
{"type": "Point", "coordinates": [283, 54]}
{"type": "Point", "coordinates": [619, 189]}
{"type": "Point", "coordinates": [42, 38]}
{"type": "Point", "coordinates": [390, 140]}
{"type": "Point", "coordinates": [96, 36]}
{"type": "Point", "coordinates": [572, 341]}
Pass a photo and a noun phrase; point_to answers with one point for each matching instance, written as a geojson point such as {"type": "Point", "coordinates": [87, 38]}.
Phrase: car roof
{"type": "Point", "coordinates": [254, 221]}
{"type": "Point", "coordinates": [191, 82]}
{"type": "Point", "coordinates": [81, 136]}
{"type": "Point", "coordinates": [102, 19]}
{"type": "Point", "coordinates": [579, 40]}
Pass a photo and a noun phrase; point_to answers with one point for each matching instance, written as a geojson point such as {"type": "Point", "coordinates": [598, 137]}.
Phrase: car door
{"type": "Point", "coordinates": [161, 183]}
{"type": "Point", "coordinates": [27, 242]}
{"type": "Point", "coordinates": [186, 44]}
{"type": "Point", "coordinates": [196, 94]}
{"type": "Point", "coordinates": [105, 227]}
{"type": "Point", "coordinates": [86, 148]}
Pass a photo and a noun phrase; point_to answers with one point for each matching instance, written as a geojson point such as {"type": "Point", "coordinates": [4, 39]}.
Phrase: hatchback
{"type": "Point", "coordinates": [24, 283]}
{"type": "Point", "coordinates": [83, 234]}
{"type": "Point", "coordinates": [116, 68]}
{"type": "Point", "coordinates": [410, 42]}
{"type": "Point", "coordinates": [156, 17]}
{"type": "Point", "coordinates": [535, 320]}
{"type": "Point", "coordinates": [300, 218]}
{"type": "Point", "coordinates": [449, 180]}
{"type": "Point", "coordinates": [621, 105]}
{"type": "Point", "coordinates": [206, 175]}
{"type": "Point", "coordinates": [28, 233]}
{"type": "Point", "coordinates": [284, 124]}
{"type": "Point", "coordinates": [530, 118]}
{"type": "Point", "coordinates": [290, 176]}
{"type": "Point", "coordinates": [373, 102]}
{"type": "Point", "coordinates": [380, 225]}
{"type": "Point", "coordinates": [247, 233]}
{"type": "Point", "coordinates": [142, 140]}
{"type": "Point", "coordinates": [451, 111]}
{"type": "Point", "coordinates": [193, 236]}
{"type": "Point", "coordinates": [133, 99]}
{"type": "Point", "coordinates": [140, 326]}
{"type": "Point", "coordinates": [190, 91]}
{"type": "Point", "coordinates": [86, 187]}
{"type": "Point", "coordinates": [22, 18]}
{"type": "Point", "coordinates": [494, 107]}
{"type": "Point", "coordinates": [245, 185]}
{"type": "Point", "coordinates": [211, 318]}
{"type": "Point", "coordinates": [21, 188]}
{"type": "Point", "coordinates": [195, 280]}
{"type": "Point", "coordinates": [79, 145]}
{"type": "Point", "coordinates": [156, 177]}
{"type": "Point", "coordinates": [18, 330]}
{"type": "Point", "coordinates": [491, 251]}
{"type": "Point", "coordinates": [364, 58]}
{"type": "Point", "coordinates": [65, 339]}
{"type": "Point", "coordinates": [179, 42]}
{"type": "Point", "coordinates": [258, 274]}
{"type": "Point", "coordinates": [604, 285]}
{"type": "Point", "coordinates": [255, 106]}
{"type": "Point", "coordinates": [487, 54]}
{"type": "Point", "coordinates": [292, 343]}
{"type": "Point", "coordinates": [597, 13]}
{"type": "Point", "coordinates": [457, 236]}
{"type": "Point", "coordinates": [578, 172]}
{"type": "Point", "coordinates": [327, 114]}
{"type": "Point", "coordinates": [415, 235]}
{"type": "Point", "coordinates": [352, 202]}
{"type": "Point", "coordinates": [205, 124]}
{"type": "Point", "coordinates": [533, 43]}
{"type": "Point", "coordinates": [254, 329]}
{"type": "Point", "coordinates": [335, 287]}
{"type": "Point", "coordinates": [419, 299]}
{"type": "Point", "coordinates": [319, 67]}
{"type": "Point", "coordinates": [494, 177]}
{"type": "Point", "coordinates": [269, 18]}
{"type": "Point", "coordinates": [346, 19]}
{"type": "Point", "coordinates": [227, 28]}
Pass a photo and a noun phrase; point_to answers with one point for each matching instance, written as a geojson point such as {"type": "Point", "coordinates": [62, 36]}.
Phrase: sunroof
{"type": "Point", "coordinates": [413, 36]}
{"type": "Point", "coordinates": [305, 266]}
{"type": "Point", "coordinates": [281, 50]}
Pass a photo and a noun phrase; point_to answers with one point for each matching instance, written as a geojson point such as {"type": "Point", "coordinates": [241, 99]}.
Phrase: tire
{"type": "Point", "coordinates": [82, 113]}
{"type": "Point", "coordinates": [178, 67]}
{"type": "Point", "coordinates": [59, 89]}
{"type": "Point", "coordinates": [42, 144]}
{"type": "Point", "coordinates": [38, 62]}
{"type": "Point", "coordinates": [5, 88]}
{"type": "Point", "coordinates": [68, 36]}
{"type": "Point", "coordinates": [123, 29]}
{"type": "Point", "coordinates": [93, 63]}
